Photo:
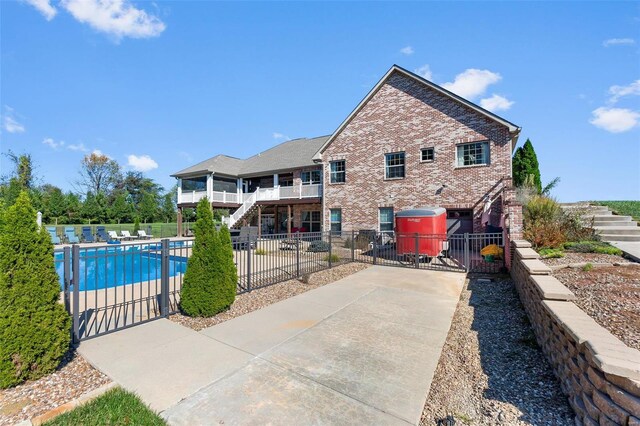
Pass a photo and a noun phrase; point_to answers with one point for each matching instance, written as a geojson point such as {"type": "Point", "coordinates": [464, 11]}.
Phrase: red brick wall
{"type": "Point", "coordinates": [404, 115]}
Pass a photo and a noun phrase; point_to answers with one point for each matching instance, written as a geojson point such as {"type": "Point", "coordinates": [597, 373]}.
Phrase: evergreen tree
{"type": "Point", "coordinates": [228, 263]}
{"type": "Point", "coordinates": [73, 208]}
{"type": "Point", "coordinates": [205, 291]}
{"type": "Point", "coordinates": [526, 168]}
{"type": "Point", "coordinates": [168, 207]}
{"type": "Point", "coordinates": [136, 226]}
{"type": "Point", "coordinates": [148, 207]}
{"type": "Point", "coordinates": [91, 209]}
{"type": "Point", "coordinates": [34, 327]}
{"type": "Point", "coordinates": [121, 209]}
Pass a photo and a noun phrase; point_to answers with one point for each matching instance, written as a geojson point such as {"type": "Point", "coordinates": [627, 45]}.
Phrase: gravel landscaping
{"type": "Point", "coordinates": [611, 296]}
{"type": "Point", "coordinates": [74, 378]}
{"type": "Point", "coordinates": [491, 370]}
{"type": "Point", "coordinates": [256, 299]}
{"type": "Point", "coordinates": [570, 258]}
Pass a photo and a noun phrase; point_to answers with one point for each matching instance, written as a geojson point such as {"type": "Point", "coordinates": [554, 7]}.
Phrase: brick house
{"type": "Point", "coordinates": [409, 143]}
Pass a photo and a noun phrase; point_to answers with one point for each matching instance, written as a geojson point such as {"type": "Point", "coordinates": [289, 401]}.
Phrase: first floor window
{"type": "Point", "coordinates": [311, 177]}
{"type": "Point", "coordinates": [426, 154]}
{"type": "Point", "coordinates": [311, 221]}
{"type": "Point", "coordinates": [336, 221]}
{"type": "Point", "coordinates": [386, 219]}
{"type": "Point", "coordinates": [338, 171]}
{"type": "Point", "coordinates": [472, 154]}
{"type": "Point", "coordinates": [394, 165]}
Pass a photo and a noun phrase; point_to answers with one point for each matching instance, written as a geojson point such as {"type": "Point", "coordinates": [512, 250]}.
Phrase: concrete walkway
{"type": "Point", "coordinates": [631, 248]}
{"type": "Point", "coordinates": [360, 350]}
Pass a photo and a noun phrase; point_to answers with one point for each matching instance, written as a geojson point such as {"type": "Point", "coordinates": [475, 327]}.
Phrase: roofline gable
{"type": "Point", "coordinates": [513, 129]}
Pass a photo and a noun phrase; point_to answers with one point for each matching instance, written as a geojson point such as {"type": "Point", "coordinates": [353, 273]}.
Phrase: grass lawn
{"type": "Point", "coordinates": [116, 407]}
{"type": "Point", "coordinates": [624, 208]}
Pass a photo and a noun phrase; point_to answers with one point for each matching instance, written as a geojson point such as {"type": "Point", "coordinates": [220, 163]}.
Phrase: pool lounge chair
{"type": "Point", "coordinates": [127, 235]}
{"type": "Point", "coordinates": [70, 233]}
{"type": "Point", "coordinates": [87, 236]}
{"type": "Point", "coordinates": [54, 237]}
{"type": "Point", "coordinates": [143, 235]}
{"type": "Point", "coordinates": [114, 236]}
{"type": "Point", "coordinates": [101, 233]}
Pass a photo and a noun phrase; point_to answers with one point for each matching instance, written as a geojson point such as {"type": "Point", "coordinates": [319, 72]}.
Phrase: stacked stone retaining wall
{"type": "Point", "coordinates": [598, 372]}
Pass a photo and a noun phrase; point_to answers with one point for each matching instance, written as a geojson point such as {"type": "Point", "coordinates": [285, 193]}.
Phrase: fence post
{"type": "Point", "coordinates": [466, 251]}
{"type": "Point", "coordinates": [375, 247]}
{"type": "Point", "coordinates": [164, 278]}
{"type": "Point", "coordinates": [330, 251]}
{"type": "Point", "coordinates": [248, 262]}
{"type": "Point", "coordinates": [75, 281]}
{"type": "Point", "coordinates": [353, 245]}
{"type": "Point", "coordinates": [298, 254]}
{"type": "Point", "coordinates": [417, 259]}
{"type": "Point", "coordinates": [67, 277]}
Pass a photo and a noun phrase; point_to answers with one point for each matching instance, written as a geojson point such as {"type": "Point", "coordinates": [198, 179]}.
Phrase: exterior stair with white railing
{"type": "Point", "coordinates": [610, 227]}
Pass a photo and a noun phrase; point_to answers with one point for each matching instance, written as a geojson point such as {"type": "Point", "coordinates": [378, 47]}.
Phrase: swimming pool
{"type": "Point", "coordinates": [119, 265]}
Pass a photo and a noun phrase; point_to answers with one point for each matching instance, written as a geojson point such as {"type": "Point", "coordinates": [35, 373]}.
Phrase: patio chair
{"type": "Point", "coordinates": [102, 234]}
{"type": "Point", "coordinates": [87, 236]}
{"type": "Point", "coordinates": [114, 236]}
{"type": "Point", "coordinates": [143, 235]}
{"type": "Point", "coordinates": [247, 234]}
{"type": "Point", "coordinates": [127, 235]}
{"type": "Point", "coordinates": [70, 233]}
{"type": "Point", "coordinates": [54, 237]}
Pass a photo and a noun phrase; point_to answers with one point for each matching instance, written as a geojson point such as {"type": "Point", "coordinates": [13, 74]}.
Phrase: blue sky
{"type": "Point", "coordinates": [159, 86]}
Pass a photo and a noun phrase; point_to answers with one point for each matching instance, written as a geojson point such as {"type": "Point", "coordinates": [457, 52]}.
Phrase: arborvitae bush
{"type": "Point", "coordinates": [136, 226]}
{"type": "Point", "coordinates": [207, 288]}
{"type": "Point", "coordinates": [34, 326]}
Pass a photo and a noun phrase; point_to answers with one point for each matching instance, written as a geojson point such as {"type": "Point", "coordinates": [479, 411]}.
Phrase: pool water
{"type": "Point", "coordinates": [108, 267]}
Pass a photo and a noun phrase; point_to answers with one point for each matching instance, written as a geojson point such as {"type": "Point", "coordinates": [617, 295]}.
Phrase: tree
{"type": "Point", "coordinates": [168, 207]}
{"type": "Point", "coordinates": [34, 327]}
{"type": "Point", "coordinates": [93, 208]}
{"type": "Point", "coordinates": [136, 226]}
{"type": "Point", "coordinates": [148, 207]}
{"type": "Point", "coordinates": [73, 208]}
{"type": "Point", "coordinates": [21, 179]}
{"type": "Point", "coordinates": [228, 263]}
{"type": "Point", "coordinates": [205, 291]}
{"type": "Point", "coordinates": [526, 167]}
{"type": "Point", "coordinates": [98, 174]}
{"type": "Point", "coordinates": [121, 209]}
{"type": "Point", "coordinates": [54, 203]}
{"type": "Point", "coordinates": [136, 184]}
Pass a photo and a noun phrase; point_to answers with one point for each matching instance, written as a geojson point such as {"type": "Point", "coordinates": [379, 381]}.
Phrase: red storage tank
{"type": "Point", "coordinates": [429, 223]}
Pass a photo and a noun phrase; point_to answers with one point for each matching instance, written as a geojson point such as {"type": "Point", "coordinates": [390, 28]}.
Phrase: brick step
{"type": "Point", "coordinates": [618, 230]}
{"type": "Point", "coordinates": [619, 237]}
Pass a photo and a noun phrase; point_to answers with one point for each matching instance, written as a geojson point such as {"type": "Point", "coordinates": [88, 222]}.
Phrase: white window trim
{"type": "Point", "coordinates": [384, 170]}
{"type": "Point", "coordinates": [393, 214]}
{"type": "Point", "coordinates": [331, 172]}
{"type": "Point", "coordinates": [433, 148]}
{"type": "Point", "coordinates": [488, 163]}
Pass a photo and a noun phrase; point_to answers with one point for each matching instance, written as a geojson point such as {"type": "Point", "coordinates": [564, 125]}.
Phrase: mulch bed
{"type": "Point", "coordinates": [74, 378]}
{"type": "Point", "coordinates": [491, 370]}
{"type": "Point", "coordinates": [257, 299]}
{"type": "Point", "coordinates": [611, 296]}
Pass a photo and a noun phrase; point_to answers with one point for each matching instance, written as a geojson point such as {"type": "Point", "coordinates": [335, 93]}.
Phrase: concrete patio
{"type": "Point", "coordinates": [360, 350]}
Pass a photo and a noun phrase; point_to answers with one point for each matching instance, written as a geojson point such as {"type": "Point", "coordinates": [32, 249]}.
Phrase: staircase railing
{"type": "Point", "coordinates": [244, 208]}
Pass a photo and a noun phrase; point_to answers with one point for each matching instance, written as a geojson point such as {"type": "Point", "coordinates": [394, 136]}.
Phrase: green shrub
{"type": "Point", "coordinates": [318, 246]}
{"type": "Point", "coordinates": [34, 326]}
{"type": "Point", "coordinates": [260, 252]}
{"type": "Point", "coordinates": [333, 258]}
{"type": "Point", "coordinates": [592, 247]}
{"type": "Point", "coordinates": [551, 253]}
{"type": "Point", "coordinates": [587, 267]}
{"type": "Point", "coordinates": [207, 286]}
{"type": "Point", "coordinates": [136, 226]}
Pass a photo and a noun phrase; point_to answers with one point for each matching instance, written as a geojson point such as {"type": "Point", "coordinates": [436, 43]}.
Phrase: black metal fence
{"type": "Point", "coordinates": [108, 287]}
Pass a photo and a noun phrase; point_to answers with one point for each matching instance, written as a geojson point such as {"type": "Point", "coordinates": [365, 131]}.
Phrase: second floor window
{"type": "Point", "coordinates": [426, 154]}
{"type": "Point", "coordinates": [394, 165]}
{"type": "Point", "coordinates": [194, 184]}
{"type": "Point", "coordinates": [472, 154]}
{"type": "Point", "coordinates": [338, 171]}
{"type": "Point", "coordinates": [311, 178]}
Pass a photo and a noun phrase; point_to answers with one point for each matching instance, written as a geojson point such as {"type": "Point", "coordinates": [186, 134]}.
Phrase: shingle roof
{"type": "Point", "coordinates": [288, 155]}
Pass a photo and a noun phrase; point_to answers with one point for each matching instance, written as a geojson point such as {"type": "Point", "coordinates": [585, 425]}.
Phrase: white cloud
{"type": "Point", "coordinates": [617, 92]}
{"type": "Point", "coordinates": [44, 7]}
{"type": "Point", "coordinates": [115, 17]}
{"type": "Point", "coordinates": [614, 120]}
{"type": "Point", "coordinates": [407, 50]}
{"type": "Point", "coordinates": [77, 147]}
{"type": "Point", "coordinates": [52, 143]}
{"type": "Point", "coordinates": [277, 135]}
{"type": "Point", "coordinates": [619, 42]}
{"type": "Point", "coordinates": [472, 82]}
{"type": "Point", "coordinates": [142, 163]}
{"type": "Point", "coordinates": [10, 122]}
{"type": "Point", "coordinates": [424, 72]}
{"type": "Point", "coordinates": [496, 103]}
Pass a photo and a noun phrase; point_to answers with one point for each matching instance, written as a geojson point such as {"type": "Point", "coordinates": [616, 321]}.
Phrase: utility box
{"type": "Point", "coordinates": [421, 232]}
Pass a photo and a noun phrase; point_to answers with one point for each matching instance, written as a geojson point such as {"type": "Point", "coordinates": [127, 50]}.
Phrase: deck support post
{"type": "Point", "coordinates": [289, 219]}
{"type": "Point", "coordinates": [259, 221]}
{"type": "Point", "coordinates": [179, 220]}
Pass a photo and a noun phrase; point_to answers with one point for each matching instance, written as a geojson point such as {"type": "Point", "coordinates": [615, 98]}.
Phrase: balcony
{"type": "Point", "coordinates": [261, 194]}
